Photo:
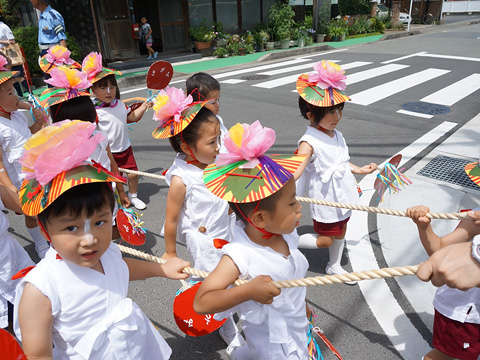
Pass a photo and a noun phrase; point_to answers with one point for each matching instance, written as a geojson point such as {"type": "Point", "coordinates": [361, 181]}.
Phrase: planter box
{"type": "Point", "coordinates": [270, 45]}
{"type": "Point", "coordinates": [200, 45]}
{"type": "Point", "coordinates": [285, 44]}
{"type": "Point", "coordinates": [320, 38]}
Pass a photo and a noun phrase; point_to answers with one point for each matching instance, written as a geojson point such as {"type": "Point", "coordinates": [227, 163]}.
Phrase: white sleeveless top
{"type": "Point", "coordinates": [112, 121]}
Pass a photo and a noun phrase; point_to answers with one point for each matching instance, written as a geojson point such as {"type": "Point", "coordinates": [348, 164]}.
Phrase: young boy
{"type": "Point", "coordinates": [262, 193]}
{"type": "Point", "coordinates": [147, 38]}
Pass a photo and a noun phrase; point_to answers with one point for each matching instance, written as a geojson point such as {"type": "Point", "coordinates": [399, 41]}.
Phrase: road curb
{"type": "Point", "coordinates": [293, 52]}
{"type": "Point", "coordinates": [399, 35]}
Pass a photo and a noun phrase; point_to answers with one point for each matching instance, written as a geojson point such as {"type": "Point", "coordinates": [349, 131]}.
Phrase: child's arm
{"type": "Point", "coordinates": [366, 169]}
{"type": "Point", "coordinates": [10, 199]}
{"type": "Point", "coordinates": [175, 198]}
{"type": "Point", "coordinates": [306, 149]}
{"type": "Point", "coordinates": [114, 168]}
{"type": "Point", "coordinates": [4, 178]}
{"type": "Point", "coordinates": [213, 296]}
{"type": "Point", "coordinates": [137, 114]}
{"type": "Point", "coordinates": [35, 319]}
{"type": "Point", "coordinates": [172, 269]}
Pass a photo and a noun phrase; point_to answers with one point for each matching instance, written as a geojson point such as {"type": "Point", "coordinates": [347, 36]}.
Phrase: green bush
{"type": "Point", "coordinates": [220, 52]}
{"type": "Point", "coordinates": [27, 38]}
{"type": "Point", "coordinates": [281, 20]}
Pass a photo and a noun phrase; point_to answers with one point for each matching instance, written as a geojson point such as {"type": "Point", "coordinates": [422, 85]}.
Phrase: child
{"type": "Point", "coordinates": [14, 132]}
{"type": "Point", "coordinates": [261, 190]}
{"type": "Point", "coordinates": [113, 117]}
{"type": "Point", "coordinates": [76, 298]}
{"type": "Point", "coordinates": [147, 37]}
{"type": "Point", "coordinates": [326, 164]}
{"type": "Point", "coordinates": [13, 257]}
{"type": "Point", "coordinates": [203, 86]}
{"type": "Point", "coordinates": [192, 213]}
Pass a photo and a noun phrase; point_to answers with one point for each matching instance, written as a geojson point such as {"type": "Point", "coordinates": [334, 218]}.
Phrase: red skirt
{"type": "Point", "coordinates": [125, 159]}
{"type": "Point", "coordinates": [330, 229]}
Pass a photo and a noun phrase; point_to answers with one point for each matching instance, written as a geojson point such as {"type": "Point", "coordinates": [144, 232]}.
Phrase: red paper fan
{"type": "Point", "coordinates": [159, 75]}
{"type": "Point", "coordinates": [129, 232]}
{"type": "Point", "coordinates": [10, 348]}
{"type": "Point", "coordinates": [394, 161]}
{"type": "Point", "coordinates": [188, 320]}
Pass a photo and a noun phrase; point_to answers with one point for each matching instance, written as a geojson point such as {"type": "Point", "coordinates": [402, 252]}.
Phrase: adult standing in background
{"type": "Point", "coordinates": [51, 28]}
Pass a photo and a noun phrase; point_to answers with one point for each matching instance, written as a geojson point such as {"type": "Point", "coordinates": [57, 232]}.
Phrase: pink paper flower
{"type": "Point", "coordinates": [59, 55]}
{"type": "Point", "coordinates": [64, 77]}
{"type": "Point", "coordinates": [246, 142]}
{"type": "Point", "coordinates": [3, 62]}
{"type": "Point", "coordinates": [328, 74]}
{"type": "Point", "coordinates": [92, 64]}
{"type": "Point", "coordinates": [57, 148]}
{"type": "Point", "coordinates": [170, 103]}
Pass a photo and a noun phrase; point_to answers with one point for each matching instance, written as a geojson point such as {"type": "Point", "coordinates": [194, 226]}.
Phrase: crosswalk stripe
{"type": "Point", "coordinates": [455, 92]}
{"type": "Point", "coordinates": [371, 73]}
{"type": "Point", "coordinates": [383, 91]}
{"type": "Point", "coordinates": [292, 78]}
{"type": "Point", "coordinates": [232, 81]}
{"type": "Point", "coordinates": [259, 68]}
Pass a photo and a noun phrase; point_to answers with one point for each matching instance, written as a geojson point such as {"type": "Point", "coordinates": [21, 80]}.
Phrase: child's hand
{"type": "Point", "coordinates": [173, 268]}
{"type": "Point", "coordinates": [38, 116]}
{"type": "Point", "coordinates": [124, 200]}
{"type": "Point", "coordinates": [475, 215]}
{"type": "Point", "coordinates": [148, 104]}
{"type": "Point", "coordinates": [417, 213]}
{"type": "Point", "coordinates": [168, 255]}
{"type": "Point", "coordinates": [262, 290]}
{"type": "Point", "coordinates": [453, 265]}
{"type": "Point", "coordinates": [368, 169]}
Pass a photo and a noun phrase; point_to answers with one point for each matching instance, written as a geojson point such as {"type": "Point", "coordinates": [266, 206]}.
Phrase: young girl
{"type": "Point", "coordinates": [326, 165]}
{"type": "Point", "coordinates": [75, 298]}
{"type": "Point", "coordinates": [192, 213]}
{"type": "Point", "coordinates": [261, 190]}
{"type": "Point", "coordinates": [147, 37]}
{"type": "Point", "coordinates": [113, 117]}
{"type": "Point", "coordinates": [14, 132]}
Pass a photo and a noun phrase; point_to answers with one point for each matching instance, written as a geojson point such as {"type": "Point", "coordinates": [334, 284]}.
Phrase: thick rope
{"type": "Point", "coordinates": [444, 216]}
{"type": "Point", "coordinates": [310, 281]}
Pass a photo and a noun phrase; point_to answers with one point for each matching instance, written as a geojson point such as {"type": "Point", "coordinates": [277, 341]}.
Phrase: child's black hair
{"type": "Point", "coordinates": [191, 133]}
{"type": "Point", "coordinates": [79, 108]}
{"type": "Point", "coordinates": [108, 80]}
{"type": "Point", "coordinates": [90, 197]}
{"type": "Point", "coordinates": [203, 83]}
{"type": "Point", "coordinates": [268, 204]}
{"type": "Point", "coordinates": [318, 112]}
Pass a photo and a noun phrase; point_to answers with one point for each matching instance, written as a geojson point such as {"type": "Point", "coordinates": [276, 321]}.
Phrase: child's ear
{"type": "Point", "coordinates": [185, 148]}
{"type": "Point", "coordinates": [310, 116]}
{"type": "Point", "coordinates": [258, 219]}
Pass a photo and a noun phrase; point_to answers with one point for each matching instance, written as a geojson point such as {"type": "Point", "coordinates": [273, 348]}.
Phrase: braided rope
{"type": "Point", "coordinates": [310, 281]}
{"type": "Point", "coordinates": [444, 216]}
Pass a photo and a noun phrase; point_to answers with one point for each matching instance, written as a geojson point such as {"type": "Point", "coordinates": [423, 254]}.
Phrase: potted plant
{"type": "Point", "coordinates": [281, 20]}
{"type": "Point", "coordinates": [220, 36]}
{"type": "Point", "coordinates": [220, 52]}
{"type": "Point", "coordinates": [283, 35]}
{"type": "Point", "coordinates": [202, 34]}
{"type": "Point", "coordinates": [323, 22]}
{"type": "Point", "coordinates": [334, 31]}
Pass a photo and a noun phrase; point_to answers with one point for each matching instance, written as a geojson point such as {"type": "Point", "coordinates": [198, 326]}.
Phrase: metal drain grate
{"type": "Point", "coordinates": [255, 77]}
{"type": "Point", "coordinates": [426, 108]}
{"type": "Point", "coordinates": [448, 169]}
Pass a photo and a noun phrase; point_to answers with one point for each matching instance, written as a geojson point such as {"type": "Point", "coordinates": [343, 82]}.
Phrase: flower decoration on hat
{"type": "Point", "coordinates": [92, 67]}
{"type": "Point", "coordinates": [69, 84]}
{"type": "Point", "coordinates": [5, 74]}
{"type": "Point", "coordinates": [55, 160]}
{"type": "Point", "coordinates": [245, 174]}
{"type": "Point", "coordinates": [473, 172]}
{"type": "Point", "coordinates": [325, 86]}
{"type": "Point", "coordinates": [57, 56]}
{"type": "Point", "coordinates": [174, 110]}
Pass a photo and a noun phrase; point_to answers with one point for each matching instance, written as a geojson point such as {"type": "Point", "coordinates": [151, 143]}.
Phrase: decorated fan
{"type": "Point", "coordinates": [159, 75]}
{"type": "Point", "coordinates": [130, 227]}
{"type": "Point", "coordinates": [390, 178]}
{"type": "Point", "coordinates": [11, 350]}
{"type": "Point", "coordinates": [57, 56]}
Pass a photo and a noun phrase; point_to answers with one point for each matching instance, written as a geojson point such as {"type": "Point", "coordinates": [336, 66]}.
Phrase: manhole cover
{"type": "Point", "coordinates": [448, 169]}
{"type": "Point", "coordinates": [426, 108]}
{"type": "Point", "coordinates": [255, 77]}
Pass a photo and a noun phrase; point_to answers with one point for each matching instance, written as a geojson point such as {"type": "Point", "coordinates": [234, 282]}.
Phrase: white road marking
{"type": "Point", "coordinates": [403, 57]}
{"type": "Point", "coordinates": [455, 92]}
{"type": "Point", "coordinates": [294, 68]}
{"type": "Point", "coordinates": [371, 73]}
{"type": "Point", "coordinates": [413, 113]}
{"type": "Point", "coordinates": [259, 68]}
{"type": "Point", "coordinates": [450, 57]}
{"type": "Point", "coordinates": [232, 81]}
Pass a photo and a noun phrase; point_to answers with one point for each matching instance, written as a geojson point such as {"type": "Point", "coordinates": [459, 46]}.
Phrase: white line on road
{"type": "Point", "coordinates": [294, 68]}
{"type": "Point", "coordinates": [232, 81]}
{"type": "Point", "coordinates": [381, 301]}
{"type": "Point", "coordinates": [371, 73]}
{"type": "Point", "coordinates": [450, 57]}
{"type": "Point", "coordinates": [259, 68]}
{"type": "Point", "coordinates": [413, 113]}
{"type": "Point", "coordinates": [383, 91]}
{"type": "Point", "coordinates": [403, 57]}
{"type": "Point", "coordinates": [455, 92]}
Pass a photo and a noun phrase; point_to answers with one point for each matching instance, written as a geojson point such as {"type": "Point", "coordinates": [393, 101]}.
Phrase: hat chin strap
{"type": "Point", "coordinates": [267, 235]}
{"type": "Point", "coordinates": [9, 113]}
{"type": "Point", "coordinates": [190, 150]}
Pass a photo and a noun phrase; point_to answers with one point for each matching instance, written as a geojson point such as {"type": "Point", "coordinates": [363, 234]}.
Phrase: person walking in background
{"type": "Point", "coordinates": [147, 38]}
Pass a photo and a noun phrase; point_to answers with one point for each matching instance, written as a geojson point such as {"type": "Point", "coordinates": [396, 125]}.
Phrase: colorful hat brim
{"type": "Point", "coordinates": [473, 172]}
{"type": "Point", "coordinates": [35, 198]}
{"type": "Point", "coordinates": [7, 75]}
{"type": "Point", "coordinates": [47, 66]}
{"type": "Point", "coordinates": [103, 73]}
{"type": "Point", "coordinates": [172, 128]}
{"type": "Point", "coordinates": [317, 96]}
{"type": "Point", "coordinates": [243, 185]}
{"type": "Point", "coordinates": [53, 96]}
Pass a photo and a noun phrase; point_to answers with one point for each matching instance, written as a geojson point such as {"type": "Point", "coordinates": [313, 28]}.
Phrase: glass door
{"type": "Point", "coordinates": [173, 23]}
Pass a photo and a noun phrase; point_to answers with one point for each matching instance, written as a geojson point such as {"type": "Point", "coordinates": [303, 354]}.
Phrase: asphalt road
{"type": "Point", "coordinates": [373, 132]}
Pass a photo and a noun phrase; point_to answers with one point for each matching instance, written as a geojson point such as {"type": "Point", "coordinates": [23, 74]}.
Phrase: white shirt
{"type": "Point", "coordinates": [112, 121]}
{"type": "Point", "coordinates": [5, 33]}
{"type": "Point", "coordinates": [329, 175]}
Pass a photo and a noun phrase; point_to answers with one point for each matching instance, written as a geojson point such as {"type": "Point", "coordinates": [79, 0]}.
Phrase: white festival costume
{"type": "Point", "coordinates": [13, 258]}
{"type": "Point", "coordinates": [92, 317]}
{"type": "Point", "coordinates": [201, 211]}
{"type": "Point", "coordinates": [13, 135]}
{"type": "Point", "coordinates": [329, 175]}
{"type": "Point", "coordinates": [279, 330]}
{"type": "Point", "coordinates": [112, 122]}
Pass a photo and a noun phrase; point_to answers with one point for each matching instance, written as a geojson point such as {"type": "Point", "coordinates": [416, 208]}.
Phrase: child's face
{"type": "Point", "coordinates": [81, 240]}
{"type": "Point", "coordinates": [8, 97]}
{"type": "Point", "coordinates": [214, 106]}
{"type": "Point", "coordinates": [287, 211]}
{"type": "Point", "coordinates": [143, 20]}
{"type": "Point", "coordinates": [105, 94]}
{"type": "Point", "coordinates": [207, 146]}
{"type": "Point", "coordinates": [331, 119]}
